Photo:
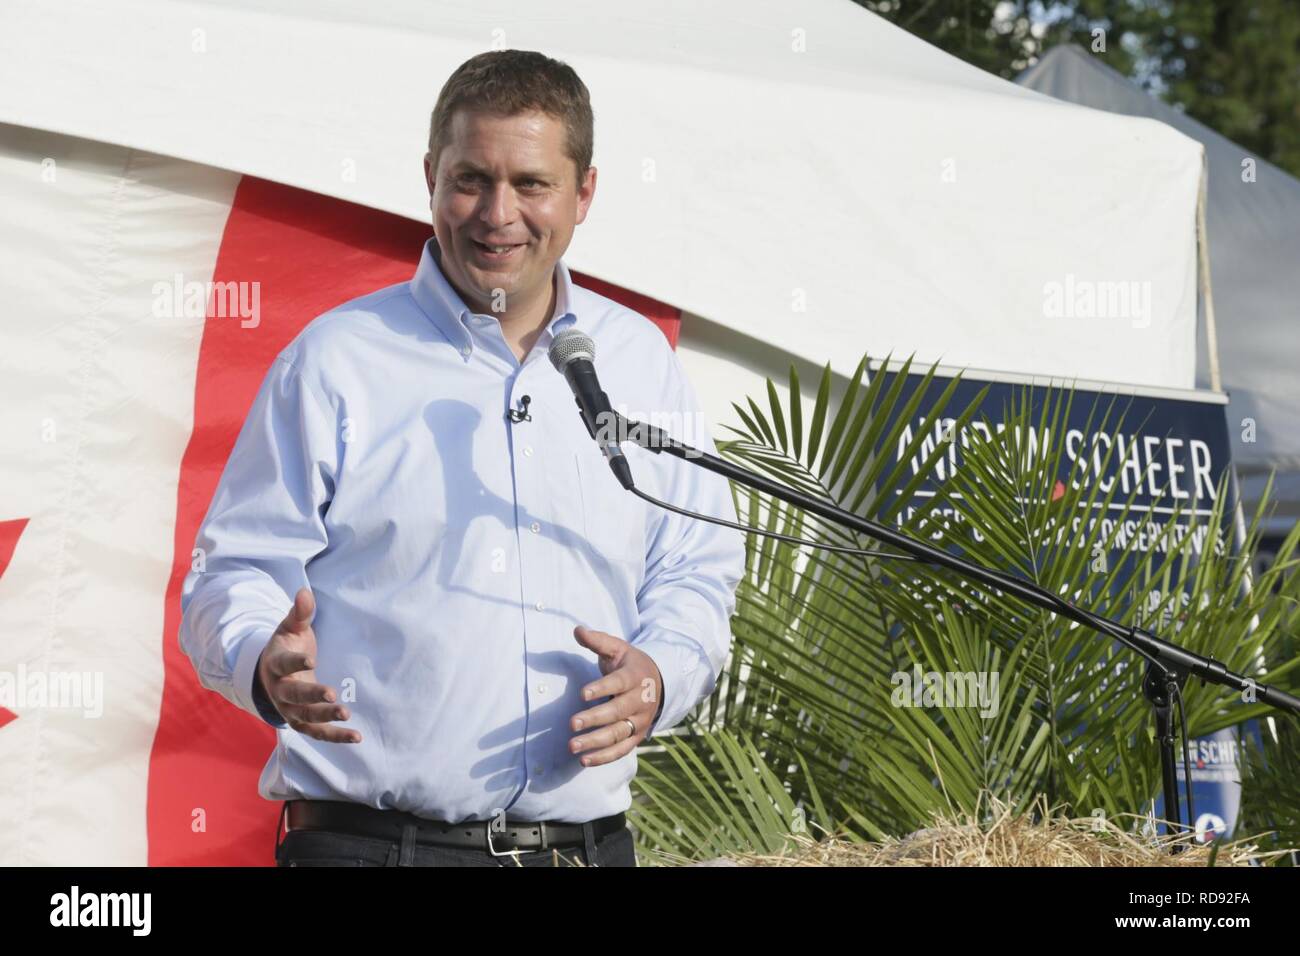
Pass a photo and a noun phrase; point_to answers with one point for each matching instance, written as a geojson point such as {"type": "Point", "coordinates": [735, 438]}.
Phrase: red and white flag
{"type": "Point", "coordinates": [144, 299]}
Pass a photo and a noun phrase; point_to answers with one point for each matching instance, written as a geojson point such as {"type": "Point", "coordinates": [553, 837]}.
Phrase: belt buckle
{"type": "Point", "coordinates": [515, 852]}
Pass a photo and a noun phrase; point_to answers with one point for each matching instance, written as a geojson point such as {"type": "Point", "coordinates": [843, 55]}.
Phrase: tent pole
{"type": "Point", "coordinates": [1203, 272]}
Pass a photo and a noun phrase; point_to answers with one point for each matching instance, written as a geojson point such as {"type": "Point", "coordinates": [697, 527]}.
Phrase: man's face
{"type": "Point", "coordinates": [505, 181]}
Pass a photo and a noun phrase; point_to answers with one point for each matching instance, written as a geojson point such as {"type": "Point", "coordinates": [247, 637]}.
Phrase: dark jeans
{"type": "Point", "coordinates": [331, 848]}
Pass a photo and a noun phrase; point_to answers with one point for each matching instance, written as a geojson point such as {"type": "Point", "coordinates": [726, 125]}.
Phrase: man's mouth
{"type": "Point", "coordinates": [495, 252]}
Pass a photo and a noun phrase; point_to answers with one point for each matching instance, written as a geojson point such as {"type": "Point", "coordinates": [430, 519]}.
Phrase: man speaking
{"type": "Point", "coordinates": [418, 566]}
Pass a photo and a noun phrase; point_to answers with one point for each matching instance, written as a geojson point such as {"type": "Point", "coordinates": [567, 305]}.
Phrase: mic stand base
{"type": "Point", "coordinates": [1160, 686]}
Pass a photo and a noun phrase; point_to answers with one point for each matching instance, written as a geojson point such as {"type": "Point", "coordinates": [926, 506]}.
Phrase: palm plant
{"type": "Point", "coordinates": [806, 722]}
{"type": "Point", "coordinates": [1270, 801]}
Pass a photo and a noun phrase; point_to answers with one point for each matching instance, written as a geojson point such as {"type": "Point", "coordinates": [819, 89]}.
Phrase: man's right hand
{"type": "Point", "coordinates": [286, 672]}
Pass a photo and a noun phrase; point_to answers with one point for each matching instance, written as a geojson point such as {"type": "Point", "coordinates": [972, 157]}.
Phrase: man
{"type": "Point", "coordinates": [481, 623]}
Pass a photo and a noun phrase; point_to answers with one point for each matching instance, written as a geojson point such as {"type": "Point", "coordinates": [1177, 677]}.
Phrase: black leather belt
{"type": "Point", "coordinates": [492, 836]}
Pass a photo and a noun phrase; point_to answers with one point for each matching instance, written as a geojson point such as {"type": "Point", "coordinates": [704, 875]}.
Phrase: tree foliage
{"type": "Point", "coordinates": [1232, 64]}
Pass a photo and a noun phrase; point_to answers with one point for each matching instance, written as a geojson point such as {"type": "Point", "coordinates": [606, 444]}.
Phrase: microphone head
{"type": "Point", "coordinates": [570, 345]}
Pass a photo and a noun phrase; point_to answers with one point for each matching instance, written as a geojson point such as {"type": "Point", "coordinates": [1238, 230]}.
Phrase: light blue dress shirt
{"type": "Point", "coordinates": [452, 552]}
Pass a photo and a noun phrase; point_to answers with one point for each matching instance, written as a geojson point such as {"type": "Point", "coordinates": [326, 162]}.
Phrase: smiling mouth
{"type": "Point", "coordinates": [496, 252]}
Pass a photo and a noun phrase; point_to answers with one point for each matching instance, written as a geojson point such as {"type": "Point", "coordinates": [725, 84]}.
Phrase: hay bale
{"type": "Point", "coordinates": [1005, 838]}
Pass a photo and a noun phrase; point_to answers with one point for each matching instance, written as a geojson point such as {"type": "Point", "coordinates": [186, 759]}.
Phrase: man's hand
{"type": "Point", "coordinates": [633, 682]}
{"type": "Point", "coordinates": [286, 671]}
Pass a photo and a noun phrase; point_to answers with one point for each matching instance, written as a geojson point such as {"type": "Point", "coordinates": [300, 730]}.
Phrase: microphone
{"type": "Point", "coordinates": [521, 415]}
{"type": "Point", "coordinates": [572, 353]}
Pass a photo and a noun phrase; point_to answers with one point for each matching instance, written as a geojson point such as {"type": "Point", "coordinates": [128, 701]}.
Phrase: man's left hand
{"type": "Point", "coordinates": [635, 687]}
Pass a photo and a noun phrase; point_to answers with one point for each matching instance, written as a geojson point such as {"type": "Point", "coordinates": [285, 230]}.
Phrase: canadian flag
{"type": "Point", "coordinates": [144, 298]}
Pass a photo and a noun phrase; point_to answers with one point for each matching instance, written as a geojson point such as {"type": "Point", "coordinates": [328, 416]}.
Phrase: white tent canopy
{"type": "Point", "coordinates": [811, 176]}
{"type": "Point", "coordinates": [1253, 224]}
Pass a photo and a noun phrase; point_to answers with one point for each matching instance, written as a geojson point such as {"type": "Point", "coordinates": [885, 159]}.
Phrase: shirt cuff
{"type": "Point", "coordinates": [249, 694]}
{"type": "Point", "coordinates": [684, 669]}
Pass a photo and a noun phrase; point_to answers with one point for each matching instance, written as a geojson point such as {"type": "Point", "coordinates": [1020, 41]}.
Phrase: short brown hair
{"type": "Point", "coordinates": [509, 82]}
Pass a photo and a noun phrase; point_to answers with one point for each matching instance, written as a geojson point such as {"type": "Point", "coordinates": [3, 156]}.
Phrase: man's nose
{"type": "Point", "coordinates": [499, 205]}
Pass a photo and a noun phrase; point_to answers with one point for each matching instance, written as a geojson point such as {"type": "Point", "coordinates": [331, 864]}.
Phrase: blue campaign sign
{"type": "Point", "coordinates": [1170, 451]}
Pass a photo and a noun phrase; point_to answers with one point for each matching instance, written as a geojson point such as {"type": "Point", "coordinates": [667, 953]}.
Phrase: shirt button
{"type": "Point", "coordinates": [541, 688]}
{"type": "Point", "coordinates": [528, 451]}
{"type": "Point", "coordinates": [535, 528]}
{"type": "Point", "coordinates": [540, 606]}
{"type": "Point", "coordinates": [465, 350]}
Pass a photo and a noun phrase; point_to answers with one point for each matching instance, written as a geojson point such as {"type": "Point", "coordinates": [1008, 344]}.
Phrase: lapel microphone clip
{"type": "Point", "coordinates": [521, 415]}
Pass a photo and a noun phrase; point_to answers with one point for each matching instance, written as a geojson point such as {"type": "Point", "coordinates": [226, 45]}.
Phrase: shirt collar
{"type": "Point", "coordinates": [442, 303]}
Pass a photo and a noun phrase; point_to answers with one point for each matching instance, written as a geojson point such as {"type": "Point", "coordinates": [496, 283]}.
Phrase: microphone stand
{"type": "Point", "coordinates": [1168, 665]}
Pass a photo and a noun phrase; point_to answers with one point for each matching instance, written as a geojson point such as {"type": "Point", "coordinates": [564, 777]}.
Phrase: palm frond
{"type": "Point", "coordinates": [821, 637]}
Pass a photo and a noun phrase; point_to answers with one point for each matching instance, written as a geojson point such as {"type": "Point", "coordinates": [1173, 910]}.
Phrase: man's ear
{"type": "Point", "coordinates": [586, 193]}
{"type": "Point", "coordinates": [429, 172]}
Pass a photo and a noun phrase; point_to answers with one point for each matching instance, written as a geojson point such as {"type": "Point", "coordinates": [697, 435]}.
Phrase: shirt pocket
{"type": "Point", "coordinates": [613, 519]}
